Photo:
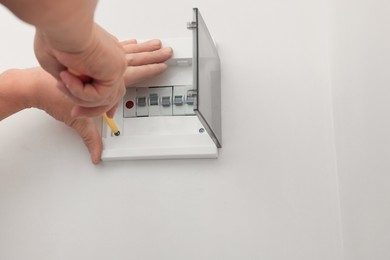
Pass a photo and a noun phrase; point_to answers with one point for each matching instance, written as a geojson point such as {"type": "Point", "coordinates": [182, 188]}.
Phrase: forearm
{"type": "Point", "coordinates": [20, 89]}
{"type": "Point", "coordinates": [67, 24]}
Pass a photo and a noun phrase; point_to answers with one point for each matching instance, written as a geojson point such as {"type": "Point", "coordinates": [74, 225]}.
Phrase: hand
{"type": "Point", "coordinates": [144, 60]}
{"type": "Point", "coordinates": [26, 88]}
{"type": "Point", "coordinates": [102, 59]}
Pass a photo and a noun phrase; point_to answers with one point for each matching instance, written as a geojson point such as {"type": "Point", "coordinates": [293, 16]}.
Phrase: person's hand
{"type": "Point", "coordinates": [144, 60]}
{"type": "Point", "coordinates": [26, 88]}
{"type": "Point", "coordinates": [102, 59]}
{"type": "Point", "coordinates": [40, 91]}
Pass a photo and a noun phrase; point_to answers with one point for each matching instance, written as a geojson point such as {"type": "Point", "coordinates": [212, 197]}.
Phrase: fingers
{"type": "Point", "coordinates": [86, 97]}
{"type": "Point", "coordinates": [80, 112]}
{"type": "Point", "coordinates": [91, 99]}
{"type": "Point", "coordinates": [111, 113]}
{"type": "Point", "coordinates": [137, 74]}
{"type": "Point", "coordinates": [55, 104]}
{"type": "Point", "coordinates": [76, 88]}
{"type": "Point", "coordinates": [143, 58]}
{"type": "Point", "coordinates": [132, 41]}
{"type": "Point", "coordinates": [130, 47]}
{"type": "Point", "coordinates": [102, 60]}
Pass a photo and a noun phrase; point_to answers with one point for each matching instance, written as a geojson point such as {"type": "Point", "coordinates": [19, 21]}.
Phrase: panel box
{"type": "Point", "coordinates": [176, 114]}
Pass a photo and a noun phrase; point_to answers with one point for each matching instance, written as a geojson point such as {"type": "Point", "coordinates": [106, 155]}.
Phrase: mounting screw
{"type": "Point", "coordinates": [201, 130]}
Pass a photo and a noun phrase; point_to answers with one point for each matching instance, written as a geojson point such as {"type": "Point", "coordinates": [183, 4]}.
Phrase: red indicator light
{"type": "Point", "coordinates": [129, 104]}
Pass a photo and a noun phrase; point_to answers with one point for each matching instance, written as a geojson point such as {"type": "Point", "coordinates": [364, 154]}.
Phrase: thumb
{"type": "Point", "coordinates": [88, 132]}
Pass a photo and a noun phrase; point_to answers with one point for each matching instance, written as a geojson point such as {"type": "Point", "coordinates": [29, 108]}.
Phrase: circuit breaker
{"type": "Point", "coordinates": [176, 114]}
{"type": "Point", "coordinates": [159, 101]}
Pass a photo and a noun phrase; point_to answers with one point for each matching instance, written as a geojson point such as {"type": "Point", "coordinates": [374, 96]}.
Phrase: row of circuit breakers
{"type": "Point", "coordinates": [159, 101]}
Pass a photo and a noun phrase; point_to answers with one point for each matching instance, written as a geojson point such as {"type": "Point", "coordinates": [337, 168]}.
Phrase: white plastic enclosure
{"type": "Point", "coordinates": [176, 114]}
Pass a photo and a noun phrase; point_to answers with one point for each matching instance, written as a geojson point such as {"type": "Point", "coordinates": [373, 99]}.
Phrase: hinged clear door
{"type": "Point", "coordinates": [207, 78]}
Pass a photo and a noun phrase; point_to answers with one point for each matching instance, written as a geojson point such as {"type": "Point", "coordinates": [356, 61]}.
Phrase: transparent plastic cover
{"type": "Point", "coordinates": [207, 79]}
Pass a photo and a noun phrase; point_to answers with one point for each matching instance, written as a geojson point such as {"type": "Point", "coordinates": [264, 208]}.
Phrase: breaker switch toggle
{"type": "Point", "coordinates": [153, 99]}
{"type": "Point", "coordinates": [178, 100]}
{"type": "Point", "coordinates": [141, 101]}
{"type": "Point", "coordinates": [166, 101]}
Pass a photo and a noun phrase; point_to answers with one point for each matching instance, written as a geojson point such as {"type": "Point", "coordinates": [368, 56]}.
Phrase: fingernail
{"type": "Point", "coordinates": [168, 50]}
{"type": "Point", "coordinates": [155, 42]}
{"type": "Point", "coordinates": [95, 158]}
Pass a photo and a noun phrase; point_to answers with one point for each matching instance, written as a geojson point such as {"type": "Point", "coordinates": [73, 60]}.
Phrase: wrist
{"type": "Point", "coordinates": [28, 87]}
{"type": "Point", "coordinates": [15, 92]}
{"type": "Point", "coordinates": [40, 88]}
{"type": "Point", "coordinates": [67, 39]}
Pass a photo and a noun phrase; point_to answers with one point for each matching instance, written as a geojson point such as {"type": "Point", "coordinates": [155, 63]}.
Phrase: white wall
{"type": "Point", "coordinates": [361, 93]}
{"type": "Point", "coordinates": [272, 194]}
